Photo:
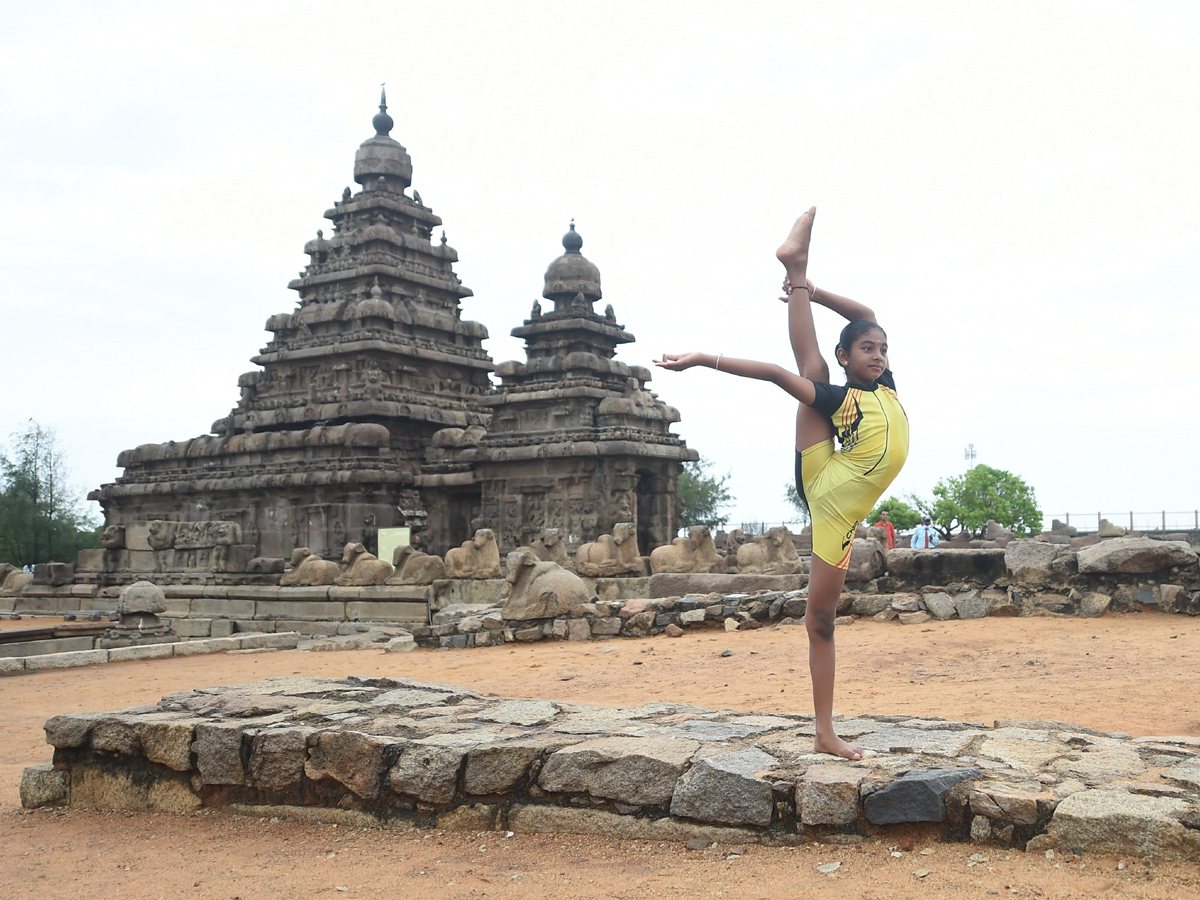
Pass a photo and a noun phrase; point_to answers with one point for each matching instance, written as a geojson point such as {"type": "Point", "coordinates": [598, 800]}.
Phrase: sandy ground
{"type": "Point", "coordinates": [1136, 673]}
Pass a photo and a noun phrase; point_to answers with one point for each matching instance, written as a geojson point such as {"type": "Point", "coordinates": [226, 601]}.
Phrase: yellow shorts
{"type": "Point", "coordinates": [839, 496]}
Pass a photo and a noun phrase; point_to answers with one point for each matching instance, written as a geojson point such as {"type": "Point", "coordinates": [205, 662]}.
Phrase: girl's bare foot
{"type": "Point", "coordinates": [836, 746]}
{"type": "Point", "coordinates": [793, 252]}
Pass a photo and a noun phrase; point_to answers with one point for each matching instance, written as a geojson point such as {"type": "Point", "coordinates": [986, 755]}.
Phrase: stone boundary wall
{"type": "Point", "coordinates": [1028, 578]}
{"type": "Point", "coordinates": [408, 754]}
{"type": "Point", "coordinates": [283, 641]}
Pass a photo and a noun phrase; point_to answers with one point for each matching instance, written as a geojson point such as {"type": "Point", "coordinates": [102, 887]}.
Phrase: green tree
{"type": "Point", "coordinates": [40, 515]}
{"type": "Point", "coordinates": [901, 514]}
{"type": "Point", "coordinates": [966, 502]}
{"type": "Point", "coordinates": [703, 495]}
{"type": "Point", "coordinates": [792, 496]}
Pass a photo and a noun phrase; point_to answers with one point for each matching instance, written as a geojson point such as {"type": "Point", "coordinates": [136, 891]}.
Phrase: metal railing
{"type": "Point", "coordinates": [1162, 520]}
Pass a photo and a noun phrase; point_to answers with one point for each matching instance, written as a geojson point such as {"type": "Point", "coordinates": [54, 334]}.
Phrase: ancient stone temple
{"type": "Point", "coordinates": [373, 407]}
{"type": "Point", "coordinates": [576, 442]}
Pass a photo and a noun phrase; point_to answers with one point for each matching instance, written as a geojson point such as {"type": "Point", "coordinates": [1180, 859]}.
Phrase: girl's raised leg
{"type": "Point", "coordinates": [802, 332]}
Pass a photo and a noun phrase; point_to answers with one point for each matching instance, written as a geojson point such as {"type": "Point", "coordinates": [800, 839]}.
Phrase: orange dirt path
{"type": "Point", "coordinates": [1136, 673]}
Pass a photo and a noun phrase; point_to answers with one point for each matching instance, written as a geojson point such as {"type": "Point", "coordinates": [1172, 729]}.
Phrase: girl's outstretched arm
{"type": "Point", "coordinates": [848, 309]}
{"type": "Point", "coordinates": [796, 385]}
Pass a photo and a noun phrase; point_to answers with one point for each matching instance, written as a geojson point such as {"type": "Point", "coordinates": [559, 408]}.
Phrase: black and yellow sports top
{"type": "Point", "coordinates": [841, 487]}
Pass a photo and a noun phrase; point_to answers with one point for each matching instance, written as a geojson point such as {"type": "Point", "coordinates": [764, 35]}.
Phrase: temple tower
{"type": "Point", "coordinates": [576, 442]}
{"type": "Point", "coordinates": [325, 443]}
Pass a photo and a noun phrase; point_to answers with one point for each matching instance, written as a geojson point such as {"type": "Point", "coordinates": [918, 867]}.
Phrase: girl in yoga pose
{"type": "Point", "coordinates": [840, 486]}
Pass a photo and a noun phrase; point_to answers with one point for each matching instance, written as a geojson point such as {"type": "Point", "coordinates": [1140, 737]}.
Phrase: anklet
{"type": "Point", "coordinates": [717, 364]}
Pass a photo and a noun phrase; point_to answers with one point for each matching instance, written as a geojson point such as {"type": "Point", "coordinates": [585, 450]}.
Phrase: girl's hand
{"type": "Point", "coordinates": [787, 289]}
{"type": "Point", "coordinates": [677, 362]}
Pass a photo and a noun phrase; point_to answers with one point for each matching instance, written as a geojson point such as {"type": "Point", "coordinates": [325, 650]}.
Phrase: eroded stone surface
{"type": "Point", "coordinates": [414, 752]}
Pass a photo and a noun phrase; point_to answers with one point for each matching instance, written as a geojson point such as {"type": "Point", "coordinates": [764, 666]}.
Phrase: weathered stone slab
{"type": "Point", "coordinates": [521, 712]}
{"type": "Point", "coordinates": [979, 604]}
{"type": "Point", "coordinates": [222, 608]}
{"type": "Point", "coordinates": [67, 660]}
{"type": "Point", "coordinates": [496, 768]}
{"type": "Point", "coordinates": [639, 771]}
{"type": "Point", "coordinates": [1031, 562]}
{"type": "Point", "coordinates": [44, 786]}
{"type": "Point", "coordinates": [668, 584]}
{"type": "Point", "coordinates": [310, 610]}
{"type": "Point", "coordinates": [916, 796]}
{"type": "Point", "coordinates": [1101, 763]}
{"type": "Point", "coordinates": [218, 749]}
{"type": "Point", "coordinates": [1094, 604]}
{"type": "Point", "coordinates": [117, 734]}
{"type": "Point", "coordinates": [277, 757]}
{"type": "Point", "coordinates": [212, 645]}
{"type": "Point", "coordinates": [149, 651]}
{"type": "Point", "coordinates": [828, 795]}
{"type": "Point", "coordinates": [940, 605]}
{"type": "Point", "coordinates": [1135, 555]}
{"type": "Point", "coordinates": [1004, 803]}
{"type": "Point", "coordinates": [726, 789]}
{"type": "Point", "coordinates": [51, 645]}
{"type": "Point", "coordinates": [940, 566]}
{"type": "Point", "coordinates": [427, 771]}
{"type": "Point", "coordinates": [285, 641]}
{"type": "Point", "coordinates": [169, 742]}
{"type": "Point", "coordinates": [1114, 821]}
{"type": "Point", "coordinates": [112, 786]}
{"type": "Point", "coordinates": [908, 740]}
{"type": "Point", "coordinates": [530, 819]}
{"type": "Point", "coordinates": [71, 729]}
{"type": "Point", "coordinates": [359, 761]}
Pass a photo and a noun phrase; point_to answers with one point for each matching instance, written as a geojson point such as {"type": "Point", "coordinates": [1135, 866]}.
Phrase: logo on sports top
{"type": "Point", "coordinates": [848, 436]}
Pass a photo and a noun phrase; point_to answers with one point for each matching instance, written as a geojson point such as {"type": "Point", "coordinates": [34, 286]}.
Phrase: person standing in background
{"type": "Point", "coordinates": [925, 537]}
{"type": "Point", "coordinates": [886, 524]}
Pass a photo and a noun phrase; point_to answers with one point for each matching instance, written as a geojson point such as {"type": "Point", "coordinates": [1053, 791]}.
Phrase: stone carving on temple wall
{"type": "Point", "coordinates": [772, 553]}
{"type": "Point", "coordinates": [539, 590]}
{"type": "Point", "coordinates": [361, 567]}
{"type": "Point", "coordinates": [694, 553]}
{"type": "Point", "coordinates": [413, 566]}
{"type": "Point", "coordinates": [476, 558]}
{"type": "Point", "coordinates": [309, 569]}
{"type": "Point", "coordinates": [611, 554]}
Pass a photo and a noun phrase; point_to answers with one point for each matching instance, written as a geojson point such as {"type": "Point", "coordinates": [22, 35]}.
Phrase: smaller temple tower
{"type": "Point", "coordinates": [576, 442]}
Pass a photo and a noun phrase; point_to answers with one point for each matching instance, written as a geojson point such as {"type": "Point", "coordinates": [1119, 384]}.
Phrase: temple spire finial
{"type": "Point", "coordinates": [571, 240]}
{"type": "Point", "coordinates": [383, 122]}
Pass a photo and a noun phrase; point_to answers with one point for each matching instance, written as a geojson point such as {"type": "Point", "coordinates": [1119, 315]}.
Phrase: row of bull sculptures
{"type": "Point", "coordinates": [616, 554]}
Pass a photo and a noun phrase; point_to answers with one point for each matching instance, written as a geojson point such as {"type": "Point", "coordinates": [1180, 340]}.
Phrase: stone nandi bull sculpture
{"type": "Point", "coordinates": [540, 590]}
{"type": "Point", "coordinates": [772, 553]}
{"type": "Point", "coordinates": [695, 553]}
{"type": "Point", "coordinates": [414, 566]}
{"type": "Point", "coordinates": [361, 567]}
{"type": "Point", "coordinates": [476, 558]}
{"type": "Point", "coordinates": [309, 569]}
{"type": "Point", "coordinates": [611, 554]}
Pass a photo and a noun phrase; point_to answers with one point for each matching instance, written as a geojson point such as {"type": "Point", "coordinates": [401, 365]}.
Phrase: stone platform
{"type": "Point", "coordinates": [408, 754]}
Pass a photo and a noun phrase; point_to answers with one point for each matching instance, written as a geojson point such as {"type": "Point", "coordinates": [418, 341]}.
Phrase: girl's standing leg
{"type": "Point", "coordinates": [825, 581]}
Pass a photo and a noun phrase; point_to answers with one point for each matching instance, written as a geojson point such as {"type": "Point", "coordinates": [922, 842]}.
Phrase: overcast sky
{"type": "Point", "coordinates": [1014, 187]}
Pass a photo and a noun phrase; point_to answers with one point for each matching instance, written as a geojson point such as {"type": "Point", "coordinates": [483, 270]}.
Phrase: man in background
{"type": "Point", "coordinates": [925, 537]}
{"type": "Point", "coordinates": [890, 529]}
